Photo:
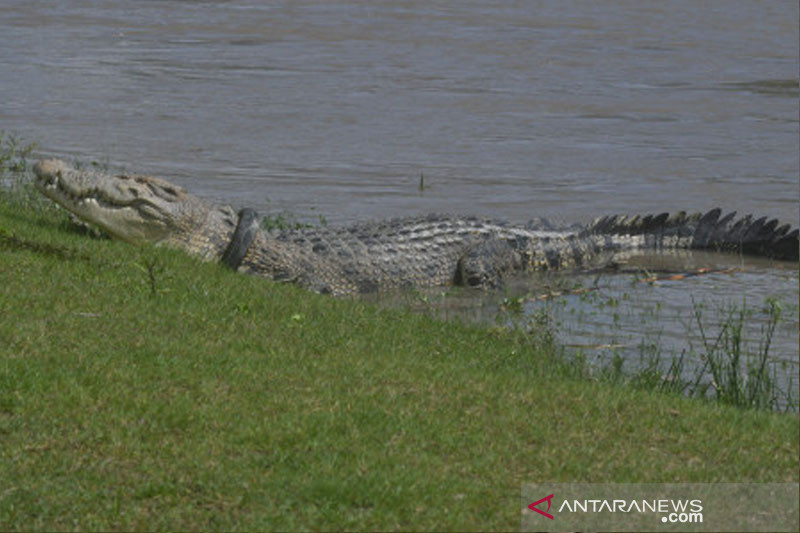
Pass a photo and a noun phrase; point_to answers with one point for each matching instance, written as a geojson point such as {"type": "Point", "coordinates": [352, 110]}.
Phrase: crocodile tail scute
{"type": "Point", "coordinates": [711, 230]}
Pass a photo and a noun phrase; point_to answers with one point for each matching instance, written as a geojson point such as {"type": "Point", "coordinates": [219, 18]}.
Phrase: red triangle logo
{"type": "Point", "coordinates": [532, 506]}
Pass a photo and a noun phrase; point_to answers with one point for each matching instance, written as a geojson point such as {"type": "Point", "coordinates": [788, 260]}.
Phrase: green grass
{"type": "Point", "coordinates": [141, 389]}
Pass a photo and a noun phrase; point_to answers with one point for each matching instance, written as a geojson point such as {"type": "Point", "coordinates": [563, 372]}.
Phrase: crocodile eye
{"type": "Point", "coordinates": [133, 192]}
{"type": "Point", "coordinates": [170, 191]}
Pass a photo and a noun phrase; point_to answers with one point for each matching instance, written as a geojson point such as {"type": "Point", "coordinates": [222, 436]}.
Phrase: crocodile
{"type": "Point", "coordinates": [414, 252]}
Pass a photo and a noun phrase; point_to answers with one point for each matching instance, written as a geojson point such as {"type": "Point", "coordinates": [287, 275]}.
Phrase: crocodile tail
{"type": "Point", "coordinates": [746, 234]}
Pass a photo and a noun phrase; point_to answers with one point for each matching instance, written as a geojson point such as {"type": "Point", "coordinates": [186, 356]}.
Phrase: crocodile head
{"type": "Point", "coordinates": [131, 208]}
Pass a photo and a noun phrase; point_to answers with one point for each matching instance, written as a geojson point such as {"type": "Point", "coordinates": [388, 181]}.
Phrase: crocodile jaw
{"type": "Point", "coordinates": [125, 207]}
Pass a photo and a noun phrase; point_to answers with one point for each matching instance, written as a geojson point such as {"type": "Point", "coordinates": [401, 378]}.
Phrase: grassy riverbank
{"type": "Point", "coordinates": [141, 389]}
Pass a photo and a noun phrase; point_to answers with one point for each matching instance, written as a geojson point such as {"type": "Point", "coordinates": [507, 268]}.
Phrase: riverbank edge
{"type": "Point", "coordinates": [143, 389]}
